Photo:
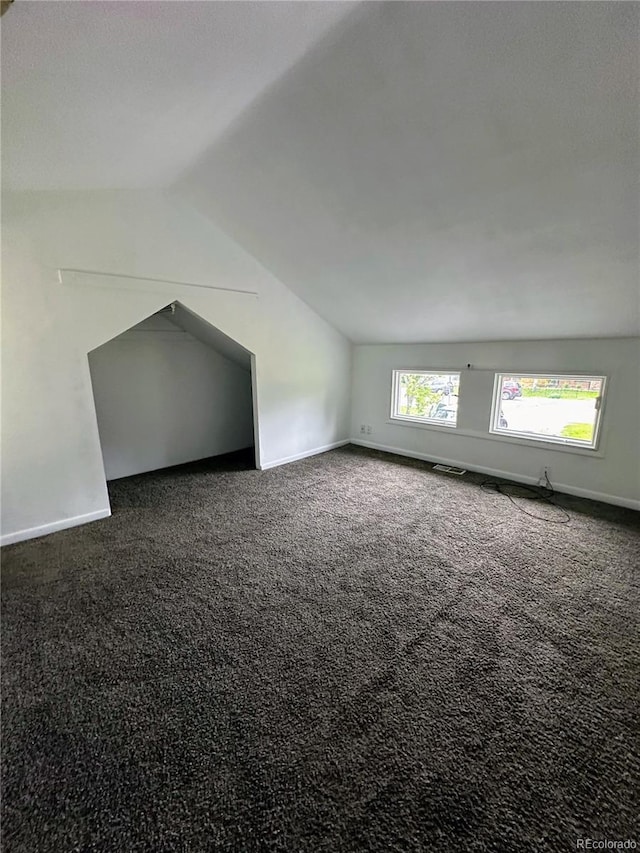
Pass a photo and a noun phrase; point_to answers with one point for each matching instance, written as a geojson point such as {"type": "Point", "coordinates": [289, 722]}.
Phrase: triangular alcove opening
{"type": "Point", "coordinates": [172, 389]}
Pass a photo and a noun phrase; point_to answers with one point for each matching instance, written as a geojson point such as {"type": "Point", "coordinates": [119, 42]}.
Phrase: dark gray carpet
{"type": "Point", "coordinates": [349, 653]}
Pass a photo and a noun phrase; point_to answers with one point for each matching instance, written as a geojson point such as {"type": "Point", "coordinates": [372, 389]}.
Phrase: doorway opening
{"type": "Point", "coordinates": [174, 390]}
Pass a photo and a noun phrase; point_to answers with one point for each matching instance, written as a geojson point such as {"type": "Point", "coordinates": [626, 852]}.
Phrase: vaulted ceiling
{"type": "Point", "coordinates": [122, 94]}
{"type": "Point", "coordinates": [413, 171]}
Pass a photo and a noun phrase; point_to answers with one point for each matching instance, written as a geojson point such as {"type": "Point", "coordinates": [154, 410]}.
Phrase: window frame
{"type": "Point", "coordinates": [413, 419]}
{"type": "Point", "coordinates": [558, 441]}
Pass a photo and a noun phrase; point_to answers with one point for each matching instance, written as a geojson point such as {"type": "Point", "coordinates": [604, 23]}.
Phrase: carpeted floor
{"type": "Point", "coordinates": [348, 653]}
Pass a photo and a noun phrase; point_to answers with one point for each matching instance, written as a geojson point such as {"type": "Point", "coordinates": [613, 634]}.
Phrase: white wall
{"type": "Point", "coordinates": [612, 474]}
{"type": "Point", "coordinates": [52, 465]}
{"type": "Point", "coordinates": [163, 398]}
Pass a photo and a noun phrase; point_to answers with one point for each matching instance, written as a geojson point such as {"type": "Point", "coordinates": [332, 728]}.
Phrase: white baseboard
{"type": "Point", "coordinates": [629, 503]}
{"type": "Point", "coordinates": [44, 529]}
{"type": "Point", "coordinates": [64, 523]}
{"type": "Point", "coordinates": [304, 454]}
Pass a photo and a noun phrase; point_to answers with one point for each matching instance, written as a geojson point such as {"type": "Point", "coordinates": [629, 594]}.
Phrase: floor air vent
{"type": "Point", "coordinates": [449, 469]}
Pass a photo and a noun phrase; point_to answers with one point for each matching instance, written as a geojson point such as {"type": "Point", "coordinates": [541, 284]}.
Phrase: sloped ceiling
{"type": "Point", "coordinates": [122, 94]}
{"type": "Point", "coordinates": [175, 319]}
{"type": "Point", "coordinates": [209, 335]}
{"type": "Point", "coordinates": [448, 171]}
{"type": "Point", "coordinates": [413, 171]}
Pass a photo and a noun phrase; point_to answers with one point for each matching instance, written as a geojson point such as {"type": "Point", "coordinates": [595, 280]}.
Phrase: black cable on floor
{"type": "Point", "coordinates": [534, 493]}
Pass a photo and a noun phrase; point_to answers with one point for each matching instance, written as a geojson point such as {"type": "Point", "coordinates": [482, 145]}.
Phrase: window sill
{"type": "Point", "coordinates": [537, 444]}
{"type": "Point", "coordinates": [412, 422]}
{"type": "Point", "coordinates": [538, 439]}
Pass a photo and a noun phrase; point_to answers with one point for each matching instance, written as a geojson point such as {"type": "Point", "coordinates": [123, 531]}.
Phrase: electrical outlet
{"type": "Point", "coordinates": [363, 428]}
{"type": "Point", "coordinates": [369, 430]}
{"type": "Point", "coordinates": [545, 476]}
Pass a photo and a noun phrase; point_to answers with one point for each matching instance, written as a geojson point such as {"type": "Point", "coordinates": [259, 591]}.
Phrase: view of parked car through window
{"type": "Point", "coordinates": [558, 408]}
{"type": "Point", "coordinates": [563, 409]}
{"type": "Point", "coordinates": [426, 396]}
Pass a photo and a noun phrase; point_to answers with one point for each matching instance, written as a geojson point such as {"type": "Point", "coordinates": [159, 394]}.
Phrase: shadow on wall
{"type": "Point", "coordinates": [170, 390]}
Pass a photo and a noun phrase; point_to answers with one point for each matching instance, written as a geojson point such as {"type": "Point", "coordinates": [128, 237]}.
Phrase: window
{"type": "Point", "coordinates": [561, 409]}
{"type": "Point", "coordinates": [425, 397]}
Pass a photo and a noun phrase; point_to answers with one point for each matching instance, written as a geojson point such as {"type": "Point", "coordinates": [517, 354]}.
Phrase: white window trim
{"type": "Point", "coordinates": [536, 438]}
{"type": "Point", "coordinates": [410, 420]}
